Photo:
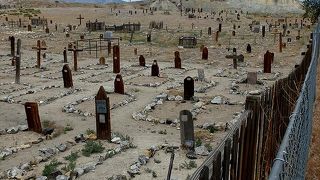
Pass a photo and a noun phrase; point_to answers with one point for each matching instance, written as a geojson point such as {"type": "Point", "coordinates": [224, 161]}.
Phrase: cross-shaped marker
{"type": "Point", "coordinates": [80, 18]}
{"type": "Point", "coordinates": [75, 57]}
{"type": "Point", "coordinates": [39, 48]}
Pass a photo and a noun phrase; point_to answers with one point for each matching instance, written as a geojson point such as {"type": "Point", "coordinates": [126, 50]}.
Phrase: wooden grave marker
{"type": "Point", "coordinates": [268, 59]}
{"type": "Point", "coordinates": [177, 60]}
{"type": "Point", "coordinates": [102, 106]}
{"type": "Point", "coordinates": [118, 84]}
{"type": "Point", "coordinates": [33, 118]}
{"type": "Point", "coordinates": [205, 53]}
{"type": "Point", "coordinates": [102, 61]}
{"type": "Point", "coordinates": [75, 57]}
{"type": "Point", "coordinates": [67, 76]}
{"type": "Point", "coordinates": [116, 59]}
{"type": "Point", "coordinates": [39, 48]}
{"type": "Point", "coordinates": [188, 86]}
{"type": "Point", "coordinates": [142, 61]}
{"type": "Point", "coordinates": [155, 69]}
{"type": "Point", "coordinates": [18, 62]}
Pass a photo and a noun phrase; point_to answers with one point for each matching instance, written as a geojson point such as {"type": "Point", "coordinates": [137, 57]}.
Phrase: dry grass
{"type": "Point", "coordinates": [313, 169]}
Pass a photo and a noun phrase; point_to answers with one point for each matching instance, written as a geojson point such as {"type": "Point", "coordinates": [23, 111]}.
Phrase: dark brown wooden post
{"type": "Point", "coordinates": [109, 48]}
{"type": "Point", "coordinates": [75, 57]}
{"type": "Point", "coordinates": [116, 59]}
{"type": "Point", "coordinates": [12, 44]}
{"type": "Point", "coordinates": [226, 159]}
{"type": "Point", "coordinates": [204, 174]}
{"type": "Point", "coordinates": [177, 60]}
{"type": "Point", "coordinates": [234, 155]}
{"type": "Point", "coordinates": [267, 62]}
{"type": "Point", "coordinates": [216, 172]}
{"type": "Point", "coordinates": [67, 76]}
{"type": "Point", "coordinates": [220, 27]}
{"type": "Point", "coordinates": [118, 84]}
{"type": "Point", "coordinates": [65, 56]}
{"type": "Point", "coordinates": [280, 42]}
{"type": "Point", "coordinates": [103, 115]}
{"type": "Point", "coordinates": [248, 162]}
{"type": "Point", "coordinates": [142, 61]}
{"type": "Point", "coordinates": [18, 62]}
{"type": "Point", "coordinates": [39, 48]}
{"type": "Point", "coordinates": [263, 31]}
{"type": "Point", "coordinates": [205, 53]}
{"type": "Point", "coordinates": [33, 118]}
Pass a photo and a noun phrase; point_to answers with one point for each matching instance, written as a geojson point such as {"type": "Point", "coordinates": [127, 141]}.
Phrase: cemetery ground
{"type": "Point", "coordinates": [145, 122]}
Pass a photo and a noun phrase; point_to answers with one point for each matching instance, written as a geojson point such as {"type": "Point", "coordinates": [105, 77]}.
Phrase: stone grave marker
{"type": "Point", "coordinates": [33, 118]}
{"type": "Point", "coordinates": [116, 59]}
{"type": "Point", "coordinates": [187, 130]}
{"type": "Point", "coordinates": [75, 57]}
{"type": "Point", "coordinates": [205, 53]}
{"type": "Point", "coordinates": [177, 60]}
{"type": "Point", "coordinates": [252, 78]}
{"type": "Point", "coordinates": [65, 56]}
{"type": "Point", "coordinates": [142, 61]}
{"type": "Point", "coordinates": [102, 106]}
{"type": "Point", "coordinates": [249, 48]}
{"type": "Point", "coordinates": [201, 76]}
{"type": "Point", "coordinates": [155, 69]}
{"type": "Point", "coordinates": [188, 88]}
{"type": "Point", "coordinates": [118, 84]}
{"type": "Point", "coordinates": [67, 76]}
{"type": "Point", "coordinates": [39, 48]}
{"type": "Point", "coordinates": [102, 61]}
{"type": "Point", "coordinates": [268, 59]}
{"type": "Point", "coordinates": [18, 62]}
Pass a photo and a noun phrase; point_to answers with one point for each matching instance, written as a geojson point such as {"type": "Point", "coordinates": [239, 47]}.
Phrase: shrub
{"type": "Point", "coordinates": [92, 147]}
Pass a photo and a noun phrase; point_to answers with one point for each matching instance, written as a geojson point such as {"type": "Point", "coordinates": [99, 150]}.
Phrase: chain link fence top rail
{"type": "Point", "coordinates": [292, 156]}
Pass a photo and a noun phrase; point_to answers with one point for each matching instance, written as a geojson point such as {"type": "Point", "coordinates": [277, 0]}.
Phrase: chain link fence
{"type": "Point", "coordinates": [292, 156]}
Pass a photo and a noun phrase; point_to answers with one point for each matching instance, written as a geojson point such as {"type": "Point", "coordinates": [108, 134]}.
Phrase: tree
{"type": "Point", "coordinates": [312, 8]}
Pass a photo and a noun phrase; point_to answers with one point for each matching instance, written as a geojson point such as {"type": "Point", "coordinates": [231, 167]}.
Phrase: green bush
{"type": "Point", "coordinates": [50, 168]}
{"type": "Point", "coordinates": [92, 147]}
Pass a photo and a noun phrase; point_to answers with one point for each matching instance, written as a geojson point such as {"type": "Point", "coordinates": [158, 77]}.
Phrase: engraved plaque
{"type": "Point", "coordinates": [101, 106]}
{"type": "Point", "coordinates": [102, 118]}
{"type": "Point", "coordinates": [184, 118]}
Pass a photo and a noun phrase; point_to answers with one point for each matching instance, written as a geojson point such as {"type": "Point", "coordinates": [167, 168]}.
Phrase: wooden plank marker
{"type": "Point", "coordinates": [103, 115]}
{"type": "Point", "coordinates": [33, 118]}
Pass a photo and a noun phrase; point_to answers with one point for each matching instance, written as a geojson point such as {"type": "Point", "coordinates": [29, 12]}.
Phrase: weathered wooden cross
{"type": "Point", "coordinates": [75, 57]}
{"type": "Point", "coordinates": [80, 18]}
{"type": "Point", "coordinates": [280, 39]}
{"type": "Point", "coordinates": [39, 48]}
{"type": "Point", "coordinates": [235, 58]}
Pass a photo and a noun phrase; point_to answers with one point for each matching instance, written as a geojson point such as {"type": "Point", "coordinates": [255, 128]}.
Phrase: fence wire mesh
{"type": "Point", "coordinates": [292, 157]}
